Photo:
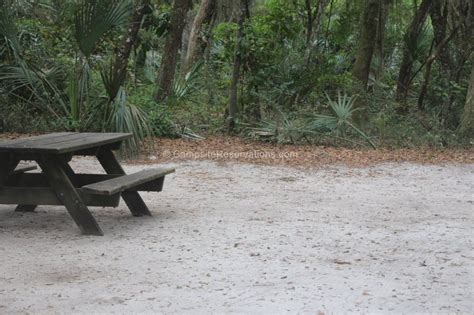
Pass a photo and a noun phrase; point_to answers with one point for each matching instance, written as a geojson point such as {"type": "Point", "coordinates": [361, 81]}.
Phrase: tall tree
{"type": "Point", "coordinates": [411, 37]}
{"type": "Point", "coordinates": [367, 42]}
{"type": "Point", "coordinates": [170, 55]}
{"type": "Point", "coordinates": [429, 63]}
{"type": "Point", "coordinates": [237, 65]}
{"type": "Point", "coordinates": [380, 39]}
{"type": "Point", "coordinates": [119, 69]}
{"type": "Point", "coordinates": [439, 20]}
{"type": "Point", "coordinates": [197, 41]}
{"type": "Point", "coordinates": [227, 10]}
{"type": "Point", "coordinates": [466, 127]}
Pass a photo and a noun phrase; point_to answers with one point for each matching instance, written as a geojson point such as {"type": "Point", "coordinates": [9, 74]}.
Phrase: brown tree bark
{"type": "Point", "coordinates": [236, 67]}
{"type": "Point", "coordinates": [429, 64]}
{"type": "Point", "coordinates": [318, 18]}
{"type": "Point", "coordinates": [367, 41]}
{"type": "Point", "coordinates": [125, 49]}
{"type": "Point", "coordinates": [170, 55]}
{"type": "Point", "coordinates": [404, 75]}
{"type": "Point", "coordinates": [380, 39]}
{"type": "Point", "coordinates": [466, 128]}
{"type": "Point", "coordinates": [439, 20]}
{"type": "Point", "coordinates": [197, 43]}
{"type": "Point", "coordinates": [309, 21]}
{"type": "Point", "coordinates": [227, 10]}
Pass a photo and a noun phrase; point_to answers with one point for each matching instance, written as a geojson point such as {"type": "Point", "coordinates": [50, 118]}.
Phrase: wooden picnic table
{"type": "Point", "coordinates": [58, 184]}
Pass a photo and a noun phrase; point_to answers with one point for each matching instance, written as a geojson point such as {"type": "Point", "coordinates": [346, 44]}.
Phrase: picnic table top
{"type": "Point", "coordinates": [61, 142]}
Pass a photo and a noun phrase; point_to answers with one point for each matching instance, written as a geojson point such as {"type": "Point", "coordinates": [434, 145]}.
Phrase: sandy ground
{"type": "Point", "coordinates": [393, 238]}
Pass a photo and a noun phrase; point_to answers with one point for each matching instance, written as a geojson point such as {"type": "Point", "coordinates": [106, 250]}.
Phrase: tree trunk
{"type": "Point", "coordinates": [404, 75]}
{"type": "Point", "coordinates": [309, 21]}
{"type": "Point", "coordinates": [227, 10]}
{"type": "Point", "coordinates": [317, 19]}
{"type": "Point", "coordinates": [197, 43]}
{"type": "Point", "coordinates": [236, 68]}
{"type": "Point", "coordinates": [367, 40]}
{"type": "Point", "coordinates": [466, 128]}
{"type": "Point", "coordinates": [188, 24]}
{"type": "Point", "coordinates": [170, 54]}
{"type": "Point", "coordinates": [313, 25]}
{"type": "Point", "coordinates": [429, 63]}
{"type": "Point", "coordinates": [439, 20]}
{"type": "Point", "coordinates": [125, 49]}
{"type": "Point", "coordinates": [379, 42]}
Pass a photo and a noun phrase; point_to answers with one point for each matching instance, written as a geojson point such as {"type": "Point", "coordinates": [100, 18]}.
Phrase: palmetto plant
{"type": "Point", "coordinates": [22, 79]}
{"type": "Point", "coordinates": [40, 87]}
{"type": "Point", "coordinates": [340, 121]}
{"type": "Point", "coordinates": [186, 86]}
{"type": "Point", "coordinates": [292, 129]}
{"type": "Point", "coordinates": [92, 20]}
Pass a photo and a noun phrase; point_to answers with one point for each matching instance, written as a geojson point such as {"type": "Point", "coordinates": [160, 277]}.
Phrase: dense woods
{"type": "Point", "coordinates": [333, 72]}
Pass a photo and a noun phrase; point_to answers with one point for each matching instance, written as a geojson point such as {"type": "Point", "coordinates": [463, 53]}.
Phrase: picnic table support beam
{"type": "Point", "coordinates": [25, 208]}
{"type": "Point", "coordinates": [133, 200]}
{"type": "Point", "coordinates": [9, 165]}
{"type": "Point", "coordinates": [56, 172]}
{"type": "Point", "coordinates": [31, 208]}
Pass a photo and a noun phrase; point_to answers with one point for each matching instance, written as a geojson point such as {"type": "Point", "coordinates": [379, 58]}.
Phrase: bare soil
{"type": "Point", "coordinates": [234, 149]}
{"type": "Point", "coordinates": [257, 239]}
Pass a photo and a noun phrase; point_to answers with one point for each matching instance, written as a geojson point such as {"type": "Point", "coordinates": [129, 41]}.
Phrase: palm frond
{"type": "Point", "coordinates": [94, 18]}
{"type": "Point", "coordinates": [33, 85]}
{"type": "Point", "coordinates": [185, 87]}
{"type": "Point", "coordinates": [8, 28]}
{"type": "Point", "coordinates": [112, 79]}
{"type": "Point", "coordinates": [343, 109]}
{"type": "Point", "coordinates": [126, 117]}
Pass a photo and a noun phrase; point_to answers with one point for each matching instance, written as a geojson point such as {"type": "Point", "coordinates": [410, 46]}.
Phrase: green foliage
{"type": "Point", "coordinates": [340, 120]}
{"type": "Point", "coordinates": [94, 18]}
{"type": "Point", "coordinates": [337, 124]}
{"type": "Point", "coordinates": [126, 117]}
{"type": "Point", "coordinates": [56, 72]}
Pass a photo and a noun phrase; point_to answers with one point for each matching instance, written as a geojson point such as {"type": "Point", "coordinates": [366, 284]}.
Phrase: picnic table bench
{"type": "Point", "coordinates": [58, 184]}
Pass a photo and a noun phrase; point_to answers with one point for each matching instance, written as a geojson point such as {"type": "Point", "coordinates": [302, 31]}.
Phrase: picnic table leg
{"type": "Point", "coordinates": [133, 200]}
{"type": "Point", "coordinates": [7, 165]}
{"type": "Point", "coordinates": [57, 176]}
{"type": "Point", "coordinates": [70, 173]}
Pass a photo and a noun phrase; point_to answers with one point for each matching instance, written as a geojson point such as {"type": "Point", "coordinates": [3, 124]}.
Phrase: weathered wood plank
{"type": "Point", "coordinates": [68, 195]}
{"type": "Point", "coordinates": [40, 180]}
{"type": "Point", "coordinates": [78, 180]}
{"type": "Point", "coordinates": [63, 143]}
{"type": "Point", "coordinates": [85, 141]}
{"type": "Point", "coordinates": [47, 197]}
{"type": "Point", "coordinates": [21, 141]}
{"type": "Point", "coordinates": [94, 151]}
{"type": "Point", "coordinates": [134, 202]}
{"type": "Point", "coordinates": [119, 184]}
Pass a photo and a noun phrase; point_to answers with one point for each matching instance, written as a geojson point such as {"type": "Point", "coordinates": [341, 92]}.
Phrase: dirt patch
{"type": "Point", "coordinates": [233, 149]}
{"type": "Point", "coordinates": [238, 150]}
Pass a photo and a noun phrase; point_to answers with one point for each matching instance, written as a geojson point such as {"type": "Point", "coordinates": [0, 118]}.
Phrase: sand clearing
{"type": "Point", "coordinates": [242, 238]}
